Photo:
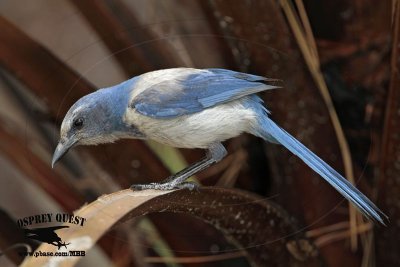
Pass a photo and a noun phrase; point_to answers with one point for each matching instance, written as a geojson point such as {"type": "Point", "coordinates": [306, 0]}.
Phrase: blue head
{"type": "Point", "coordinates": [94, 119]}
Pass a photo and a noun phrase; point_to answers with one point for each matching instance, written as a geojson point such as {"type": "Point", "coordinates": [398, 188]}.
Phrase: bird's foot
{"type": "Point", "coordinates": [165, 186]}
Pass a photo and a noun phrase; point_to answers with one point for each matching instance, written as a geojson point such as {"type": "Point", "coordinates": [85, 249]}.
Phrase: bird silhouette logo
{"type": "Point", "coordinates": [47, 235]}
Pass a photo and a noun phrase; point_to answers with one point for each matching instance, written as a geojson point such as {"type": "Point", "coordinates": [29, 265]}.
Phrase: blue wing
{"type": "Point", "coordinates": [180, 91]}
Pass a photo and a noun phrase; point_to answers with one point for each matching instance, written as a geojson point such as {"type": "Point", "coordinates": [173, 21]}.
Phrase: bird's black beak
{"type": "Point", "coordinates": [62, 148]}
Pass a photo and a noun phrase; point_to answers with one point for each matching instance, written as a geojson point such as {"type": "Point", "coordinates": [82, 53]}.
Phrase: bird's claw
{"type": "Point", "coordinates": [188, 185]}
{"type": "Point", "coordinates": [137, 187]}
{"type": "Point", "coordinates": [165, 186]}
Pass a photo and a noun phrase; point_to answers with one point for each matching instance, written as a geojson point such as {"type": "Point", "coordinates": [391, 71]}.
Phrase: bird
{"type": "Point", "coordinates": [191, 108]}
{"type": "Point", "coordinates": [48, 235]}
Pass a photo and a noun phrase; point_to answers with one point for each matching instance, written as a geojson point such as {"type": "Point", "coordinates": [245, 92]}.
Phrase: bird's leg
{"type": "Point", "coordinates": [215, 153]}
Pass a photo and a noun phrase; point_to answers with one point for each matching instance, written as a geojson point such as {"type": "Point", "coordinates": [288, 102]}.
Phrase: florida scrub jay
{"type": "Point", "coordinates": [190, 108]}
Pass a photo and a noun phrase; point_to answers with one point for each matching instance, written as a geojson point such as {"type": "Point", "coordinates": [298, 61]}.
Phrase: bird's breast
{"type": "Point", "coordinates": [197, 130]}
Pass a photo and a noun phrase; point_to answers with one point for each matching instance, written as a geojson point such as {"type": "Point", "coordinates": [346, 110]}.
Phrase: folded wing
{"type": "Point", "coordinates": [189, 91]}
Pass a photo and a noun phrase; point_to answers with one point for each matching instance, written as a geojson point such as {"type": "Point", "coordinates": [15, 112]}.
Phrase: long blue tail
{"type": "Point", "coordinates": [269, 129]}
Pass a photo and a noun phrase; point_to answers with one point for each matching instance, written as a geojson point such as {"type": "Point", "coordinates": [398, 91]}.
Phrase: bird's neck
{"type": "Point", "coordinates": [117, 99]}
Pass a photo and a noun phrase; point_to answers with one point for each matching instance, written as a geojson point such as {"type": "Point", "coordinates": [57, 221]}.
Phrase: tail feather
{"type": "Point", "coordinates": [270, 129]}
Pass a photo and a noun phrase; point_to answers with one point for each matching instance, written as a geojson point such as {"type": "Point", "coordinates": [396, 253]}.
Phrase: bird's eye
{"type": "Point", "coordinates": [78, 123]}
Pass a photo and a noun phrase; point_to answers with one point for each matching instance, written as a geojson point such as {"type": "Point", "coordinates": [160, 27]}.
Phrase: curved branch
{"type": "Point", "coordinates": [260, 228]}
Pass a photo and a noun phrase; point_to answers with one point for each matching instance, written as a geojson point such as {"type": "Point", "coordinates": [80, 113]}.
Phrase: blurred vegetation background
{"type": "Point", "coordinates": [339, 62]}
